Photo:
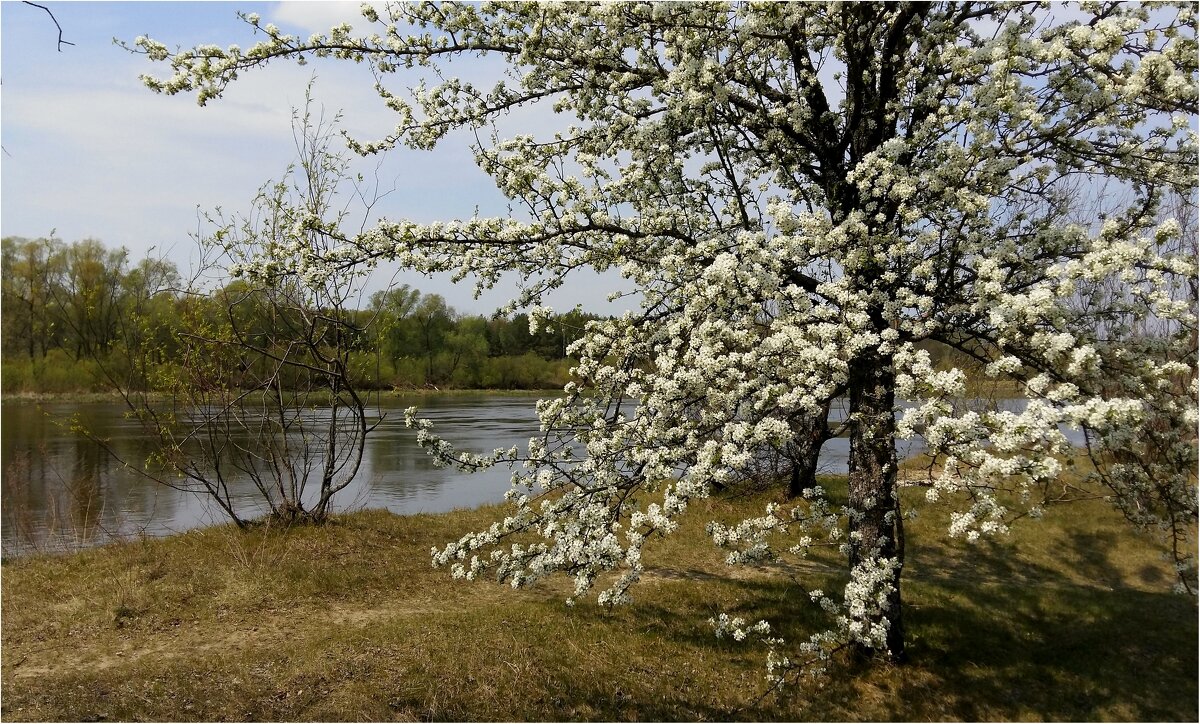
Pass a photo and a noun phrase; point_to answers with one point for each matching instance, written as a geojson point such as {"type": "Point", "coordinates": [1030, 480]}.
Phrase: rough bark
{"type": "Point", "coordinates": [872, 481]}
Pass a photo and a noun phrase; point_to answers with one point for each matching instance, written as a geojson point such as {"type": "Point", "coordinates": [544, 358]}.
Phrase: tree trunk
{"type": "Point", "coordinates": [872, 484]}
{"type": "Point", "coordinates": [32, 334]}
{"type": "Point", "coordinates": [809, 433]}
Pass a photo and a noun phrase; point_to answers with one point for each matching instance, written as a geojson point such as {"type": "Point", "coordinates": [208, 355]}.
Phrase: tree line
{"type": "Point", "coordinates": [82, 317]}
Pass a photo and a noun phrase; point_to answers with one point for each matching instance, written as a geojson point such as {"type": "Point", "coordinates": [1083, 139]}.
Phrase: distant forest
{"type": "Point", "coordinates": [80, 317]}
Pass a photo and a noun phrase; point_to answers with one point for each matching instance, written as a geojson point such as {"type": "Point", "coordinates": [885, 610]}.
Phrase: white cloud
{"type": "Point", "coordinates": [93, 153]}
{"type": "Point", "coordinates": [317, 16]}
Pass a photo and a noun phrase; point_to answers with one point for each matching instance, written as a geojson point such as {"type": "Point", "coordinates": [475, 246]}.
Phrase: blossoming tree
{"type": "Point", "coordinates": [803, 193]}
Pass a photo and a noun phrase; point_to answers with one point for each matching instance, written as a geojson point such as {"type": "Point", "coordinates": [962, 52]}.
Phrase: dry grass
{"type": "Point", "coordinates": [1070, 620]}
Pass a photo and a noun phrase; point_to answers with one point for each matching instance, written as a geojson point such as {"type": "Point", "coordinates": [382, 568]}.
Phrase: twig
{"type": "Point", "coordinates": [53, 19]}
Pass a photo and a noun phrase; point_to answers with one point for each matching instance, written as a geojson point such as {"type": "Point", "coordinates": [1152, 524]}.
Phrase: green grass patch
{"type": "Point", "coordinates": [1069, 619]}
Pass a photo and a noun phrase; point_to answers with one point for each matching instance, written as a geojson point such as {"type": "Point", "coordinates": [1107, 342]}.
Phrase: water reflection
{"type": "Point", "coordinates": [62, 491]}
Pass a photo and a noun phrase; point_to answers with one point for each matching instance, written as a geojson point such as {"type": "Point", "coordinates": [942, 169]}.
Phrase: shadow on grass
{"type": "Point", "coordinates": [1079, 654]}
{"type": "Point", "coordinates": [1035, 646]}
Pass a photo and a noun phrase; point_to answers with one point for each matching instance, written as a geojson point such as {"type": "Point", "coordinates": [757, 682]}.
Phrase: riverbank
{"type": "Point", "coordinates": [981, 388]}
{"type": "Point", "coordinates": [398, 393]}
{"type": "Point", "coordinates": [1071, 619]}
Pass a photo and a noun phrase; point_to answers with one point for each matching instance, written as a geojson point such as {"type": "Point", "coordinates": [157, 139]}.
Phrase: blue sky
{"type": "Point", "coordinates": [88, 152]}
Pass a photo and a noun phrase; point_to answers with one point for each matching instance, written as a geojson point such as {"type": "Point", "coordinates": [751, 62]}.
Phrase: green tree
{"type": "Point", "coordinates": [509, 336]}
{"type": "Point", "coordinates": [88, 301]}
{"type": "Point", "coordinates": [32, 273]}
{"type": "Point", "coordinates": [392, 308]}
{"type": "Point", "coordinates": [466, 349]}
{"type": "Point", "coordinates": [432, 321]}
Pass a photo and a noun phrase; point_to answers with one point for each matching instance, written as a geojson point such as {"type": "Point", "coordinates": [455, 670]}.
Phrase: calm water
{"type": "Point", "coordinates": [62, 491]}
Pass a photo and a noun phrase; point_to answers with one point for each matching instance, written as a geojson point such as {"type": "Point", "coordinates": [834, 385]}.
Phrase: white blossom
{"type": "Point", "coordinates": [791, 247]}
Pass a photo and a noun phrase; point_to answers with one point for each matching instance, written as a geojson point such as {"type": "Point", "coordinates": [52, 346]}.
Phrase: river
{"type": "Point", "coordinates": [62, 491]}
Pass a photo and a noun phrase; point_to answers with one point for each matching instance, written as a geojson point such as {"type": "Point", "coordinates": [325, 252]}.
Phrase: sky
{"type": "Point", "coordinates": [88, 152]}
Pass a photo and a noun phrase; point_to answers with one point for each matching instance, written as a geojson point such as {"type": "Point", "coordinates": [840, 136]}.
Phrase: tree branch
{"type": "Point", "coordinates": [53, 19]}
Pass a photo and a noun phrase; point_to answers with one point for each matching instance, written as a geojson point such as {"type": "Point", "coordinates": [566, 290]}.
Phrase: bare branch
{"type": "Point", "coordinates": [53, 19]}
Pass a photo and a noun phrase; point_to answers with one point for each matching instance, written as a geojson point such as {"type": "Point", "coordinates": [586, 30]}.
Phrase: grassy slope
{"type": "Point", "coordinates": [1072, 620]}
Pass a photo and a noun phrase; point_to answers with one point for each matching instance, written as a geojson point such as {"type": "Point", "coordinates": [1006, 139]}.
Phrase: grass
{"type": "Point", "coordinates": [1071, 619]}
